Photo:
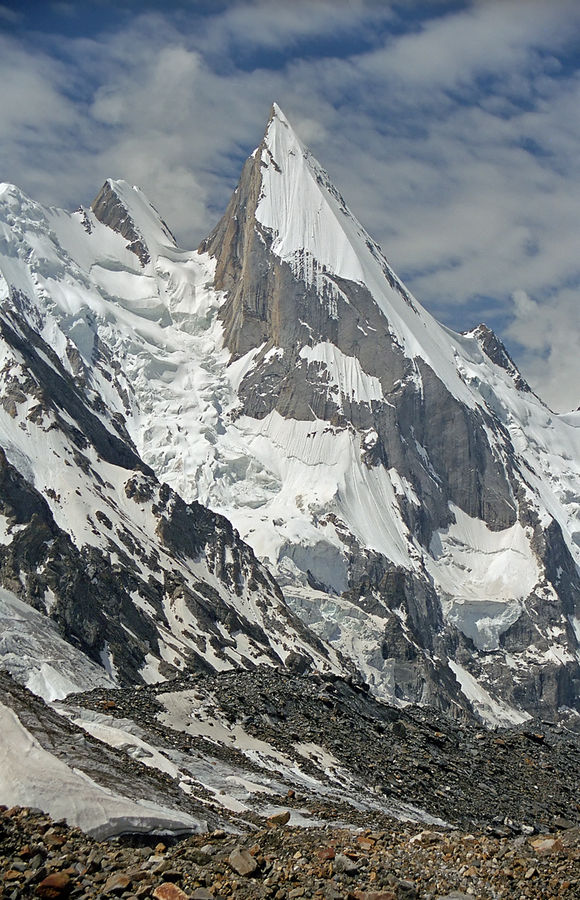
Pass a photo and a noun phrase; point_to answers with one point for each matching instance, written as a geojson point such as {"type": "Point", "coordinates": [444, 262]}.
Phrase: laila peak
{"type": "Point", "coordinates": [262, 463]}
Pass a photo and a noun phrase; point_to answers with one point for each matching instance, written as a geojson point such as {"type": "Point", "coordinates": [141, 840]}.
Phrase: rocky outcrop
{"type": "Point", "coordinates": [496, 351]}
{"type": "Point", "coordinates": [110, 210]}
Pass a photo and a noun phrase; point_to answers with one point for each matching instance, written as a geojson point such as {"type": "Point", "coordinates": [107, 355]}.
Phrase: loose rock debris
{"type": "Point", "coordinates": [42, 858]}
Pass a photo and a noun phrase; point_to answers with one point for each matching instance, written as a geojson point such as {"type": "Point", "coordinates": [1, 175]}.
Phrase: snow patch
{"type": "Point", "coordinates": [345, 373]}
{"type": "Point", "coordinates": [31, 776]}
{"type": "Point", "coordinates": [483, 575]}
{"type": "Point", "coordinates": [493, 712]}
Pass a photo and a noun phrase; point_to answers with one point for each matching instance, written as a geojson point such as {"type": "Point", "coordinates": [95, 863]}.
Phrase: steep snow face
{"type": "Point", "coordinates": [308, 223]}
{"type": "Point", "coordinates": [314, 231]}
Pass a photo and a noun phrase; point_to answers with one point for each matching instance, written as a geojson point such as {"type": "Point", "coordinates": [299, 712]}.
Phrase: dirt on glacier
{"type": "Point", "coordinates": [507, 803]}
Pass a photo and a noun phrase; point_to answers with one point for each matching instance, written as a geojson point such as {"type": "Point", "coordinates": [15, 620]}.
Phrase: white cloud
{"type": "Point", "coordinates": [280, 25]}
{"type": "Point", "coordinates": [547, 334]}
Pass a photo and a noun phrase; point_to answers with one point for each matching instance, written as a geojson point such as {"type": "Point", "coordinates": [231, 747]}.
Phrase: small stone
{"type": "Point", "coordinates": [12, 875]}
{"type": "Point", "coordinates": [365, 843]}
{"type": "Point", "coordinates": [54, 840]}
{"type": "Point", "coordinates": [455, 895]}
{"type": "Point", "coordinates": [160, 848]}
{"type": "Point", "coordinates": [117, 883]}
{"type": "Point", "coordinates": [54, 886]}
{"type": "Point", "coordinates": [547, 845]}
{"type": "Point", "coordinates": [344, 866]}
{"type": "Point", "coordinates": [326, 853]}
{"type": "Point", "coordinates": [281, 818]}
{"type": "Point", "coordinates": [144, 890]}
{"type": "Point", "coordinates": [427, 837]}
{"type": "Point", "coordinates": [374, 895]}
{"type": "Point", "coordinates": [170, 874]}
{"type": "Point", "coordinates": [169, 891]}
{"type": "Point", "coordinates": [399, 730]}
{"type": "Point", "coordinates": [19, 867]}
{"type": "Point", "coordinates": [154, 862]}
{"type": "Point", "coordinates": [201, 894]}
{"type": "Point", "coordinates": [242, 861]}
{"type": "Point", "coordinates": [199, 857]}
{"type": "Point", "coordinates": [537, 737]}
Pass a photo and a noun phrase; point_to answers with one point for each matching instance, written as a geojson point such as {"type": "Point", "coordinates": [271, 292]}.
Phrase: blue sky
{"type": "Point", "coordinates": [451, 128]}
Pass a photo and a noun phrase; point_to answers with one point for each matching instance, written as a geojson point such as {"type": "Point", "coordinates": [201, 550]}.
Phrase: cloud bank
{"type": "Point", "coordinates": [452, 131]}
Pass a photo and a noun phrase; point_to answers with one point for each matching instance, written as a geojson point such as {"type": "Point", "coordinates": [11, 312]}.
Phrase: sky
{"type": "Point", "coordinates": [451, 127]}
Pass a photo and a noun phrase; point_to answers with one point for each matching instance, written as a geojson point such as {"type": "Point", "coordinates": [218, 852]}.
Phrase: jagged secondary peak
{"type": "Point", "coordinates": [495, 349]}
{"type": "Point", "coordinates": [126, 210]}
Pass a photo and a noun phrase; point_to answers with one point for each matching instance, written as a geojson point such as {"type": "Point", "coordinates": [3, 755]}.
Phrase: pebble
{"type": "Point", "coordinates": [242, 861]}
{"type": "Point", "coordinates": [117, 883]}
{"type": "Point", "coordinates": [281, 818]}
{"type": "Point", "coordinates": [169, 891]}
{"type": "Point", "coordinates": [54, 886]}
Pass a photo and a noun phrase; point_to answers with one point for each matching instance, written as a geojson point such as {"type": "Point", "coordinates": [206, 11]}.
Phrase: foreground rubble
{"type": "Point", "coordinates": [40, 858]}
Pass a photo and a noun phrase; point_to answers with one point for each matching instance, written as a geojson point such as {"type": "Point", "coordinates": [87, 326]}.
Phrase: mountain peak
{"type": "Point", "coordinates": [126, 209]}
{"type": "Point", "coordinates": [278, 116]}
{"type": "Point", "coordinates": [495, 349]}
{"type": "Point", "coordinates": [277, 113]}
{"type": "Point", "coordinates": [300, 207]}
{"type": "Point", "coordinates": [280, 142]}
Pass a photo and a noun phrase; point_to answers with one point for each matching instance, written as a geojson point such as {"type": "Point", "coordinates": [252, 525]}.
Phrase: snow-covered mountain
{"type": "Point", "coordinates": [417, 505]}
{"type": "Point", "coordinates": [141, 583]}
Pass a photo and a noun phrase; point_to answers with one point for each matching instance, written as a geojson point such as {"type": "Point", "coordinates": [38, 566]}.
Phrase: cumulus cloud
{"type": "Point", "coordinates": [263, 24]}
{"type": "Point", "coordinates": [453, 134]}
{"type": "Point", "coordinates": [546, 334]}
